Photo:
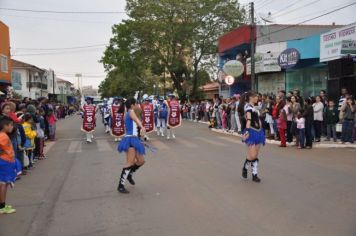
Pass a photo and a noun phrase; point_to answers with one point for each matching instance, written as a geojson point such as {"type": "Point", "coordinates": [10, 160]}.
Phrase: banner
{"type": "Point", "coordinates": [88, 118]}
{"type": "Point", "coordinates": [147, 117]}
{"type": "Point", "coordinates": [332, 43]}
{"type": "Point", "coordinates": [118, 122]}
{"type": "Point", "coordinates": [174, 119]}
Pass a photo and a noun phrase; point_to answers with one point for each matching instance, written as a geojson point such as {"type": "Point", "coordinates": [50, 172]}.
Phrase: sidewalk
{"type": "Point", "coordinates": [322, 144]}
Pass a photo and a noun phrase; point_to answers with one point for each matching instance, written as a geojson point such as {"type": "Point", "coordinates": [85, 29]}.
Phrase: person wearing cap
{"type": "Point", "coordinates": [170, 103]}
{"type": "Point", "coordinates": [162, 112]}
{"type": "Point", "coordinates": [89, 110]}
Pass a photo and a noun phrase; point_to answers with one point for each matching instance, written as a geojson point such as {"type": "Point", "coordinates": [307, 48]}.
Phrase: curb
{"type": "Point", "coordinates": [319, 145]}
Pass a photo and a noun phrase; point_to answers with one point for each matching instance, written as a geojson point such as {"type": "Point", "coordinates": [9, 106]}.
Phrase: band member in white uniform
{"type": "Point", "coordinates": [89, 118]}
{"type": "Point", "coordinates": [162, 113]}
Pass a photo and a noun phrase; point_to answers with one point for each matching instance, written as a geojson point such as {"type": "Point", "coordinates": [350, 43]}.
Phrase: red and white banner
{"type": "Point", "coordinates": [117, 122]}
{"type": "Point", "coordinates": [88, 118]}
{"type": "Point", "coordinates": [147, 117]}
{"type": "Point", "coordinates": [174, 119]}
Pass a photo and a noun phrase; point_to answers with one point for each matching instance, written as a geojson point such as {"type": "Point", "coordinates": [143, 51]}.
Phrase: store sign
{"type": "Point", "coordinates": [234, 68]}
{"type": "Point", "coordinates": [264, 62]}
{"type": "Point", "coordinates": [229, 80]}
{"type": "Point", "coordinates": [288, 58]}
{"type": "Point", "coordinates": [338, 43]}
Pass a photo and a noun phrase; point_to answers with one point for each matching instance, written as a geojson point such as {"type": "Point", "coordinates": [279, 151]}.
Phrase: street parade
{"type": "Point", "coordinates": [178, 118]}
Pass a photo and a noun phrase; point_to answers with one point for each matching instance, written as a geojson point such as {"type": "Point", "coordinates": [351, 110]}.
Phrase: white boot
{"type": "Point", "coordinates": [107, 130]}
{"type": "Point", "coordinates": [162, 132]}
{"type": "Point", "coordinates": [89, 137]}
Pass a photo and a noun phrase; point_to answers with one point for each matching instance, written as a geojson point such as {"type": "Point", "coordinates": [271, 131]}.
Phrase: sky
{"type": "Point", "coordinates": [47, 33]}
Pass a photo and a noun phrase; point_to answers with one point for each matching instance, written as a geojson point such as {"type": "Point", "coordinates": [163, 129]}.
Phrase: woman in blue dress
{"type": "Point", "coordinates": [254, 136]}
{"type": "Point", "coordinates": [132, 145]}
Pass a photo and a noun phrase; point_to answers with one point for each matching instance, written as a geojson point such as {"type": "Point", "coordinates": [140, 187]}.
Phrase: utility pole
{"type": "Point", "coordinates": [252, 43]}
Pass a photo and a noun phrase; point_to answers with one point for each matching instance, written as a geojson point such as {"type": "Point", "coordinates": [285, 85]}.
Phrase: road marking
{"type": "Point", "coordinates": [103, 146]}
{"type": "Point", "coordinates": [211, 142]}
{"type": "Point", "coordinates": [231, 140]}
{"type": "Point", "coordinates": [75, 147]}
{"type": "Point", "coordinates": [186, 143]}
{"type": "Point", "coordinates": [160, 145]}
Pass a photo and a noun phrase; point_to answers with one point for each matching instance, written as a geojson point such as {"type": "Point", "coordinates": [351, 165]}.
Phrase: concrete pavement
{"type": "Point", "coordinates": [192, 186]}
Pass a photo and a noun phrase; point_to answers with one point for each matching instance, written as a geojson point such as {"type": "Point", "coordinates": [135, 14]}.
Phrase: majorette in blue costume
{"type": "Point", "coordinates": [132, 145]}
{"type": "Point", "coordinates": [161, 109]}
{"type": "Point", "coordinates": [254, 137]}
{"type": "Point", "coordinates": [106, 112]}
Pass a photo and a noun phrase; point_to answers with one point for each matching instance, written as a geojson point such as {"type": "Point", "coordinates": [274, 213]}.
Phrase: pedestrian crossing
{"type": "Point", "coordinates": [108, 145]}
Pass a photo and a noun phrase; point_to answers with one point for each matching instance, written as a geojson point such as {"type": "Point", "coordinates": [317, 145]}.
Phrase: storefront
{"type": "Point", "coordinates": [338, 50]}
{"type": "Point", "coordinates": [308, 75]}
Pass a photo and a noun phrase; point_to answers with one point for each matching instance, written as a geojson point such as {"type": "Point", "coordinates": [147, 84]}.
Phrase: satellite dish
{"type": "Point", "coordinates": [266, 17]}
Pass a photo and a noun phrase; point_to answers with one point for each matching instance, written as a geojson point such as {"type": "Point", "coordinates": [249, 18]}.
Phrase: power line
{"type": "Point", "coordinates": [56, 53]}
{"type": "Point", "coordinates": [60, 20]}
{"type": "Point", "coordinates": [317, 12]}
{"type": "Point", "coordinates": [55, 49]}
{"type": "Point", "coordinates": [62, 12]}
{"type": "Point", "coordinates": [314, 18]}
{"type": "Point", "coordinates": [285, 8]}
{"type": "Point", "coordinates": [306, 5]}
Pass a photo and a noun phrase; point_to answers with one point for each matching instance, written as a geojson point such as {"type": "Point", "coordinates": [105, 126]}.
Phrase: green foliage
{"type": "Point", "coordinates": [176, 37]}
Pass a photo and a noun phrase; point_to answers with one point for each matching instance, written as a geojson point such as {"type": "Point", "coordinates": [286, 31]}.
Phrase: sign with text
{"type": "Point", "coordinates": [337, 43]}
{"type": "Point", "coordinates": [234, 68]}
{"type": "Point", "coordinates": [147, 117]}
{"type": "Point", "coordinates": [118, 122]}
{"type": "Point", "coordinates": [88, 118]}
{"type": "Point", "coordinates": [288, 58]}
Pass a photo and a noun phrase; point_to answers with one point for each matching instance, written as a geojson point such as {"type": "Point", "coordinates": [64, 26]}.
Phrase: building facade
{"type": "Point", "coordinates": [5, 57]}
{"type": "Point", "coordinates": [64, 90]}
{"type": "Point", "coordinates": [29, 80]}
{"type": "Point", "coordinates": [236, 45]}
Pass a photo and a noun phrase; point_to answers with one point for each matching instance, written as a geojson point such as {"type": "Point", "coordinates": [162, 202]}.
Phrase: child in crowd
{"type": "Point", "coordinates": [301, 129]}
{"type": "Point", "coordinates": [51, 118]}
{"type": "Point", "coordinates": [8, 168]}
{"type": "Point", "coordinates": [282, 127]}
{"type": "Point", "coordinates": [332, 118]}
{"type": "Point", "coordinates": [30, 137]}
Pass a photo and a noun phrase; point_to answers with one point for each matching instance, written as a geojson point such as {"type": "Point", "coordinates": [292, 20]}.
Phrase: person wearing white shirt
{"type": "Point", "coordinates": [318, 108]}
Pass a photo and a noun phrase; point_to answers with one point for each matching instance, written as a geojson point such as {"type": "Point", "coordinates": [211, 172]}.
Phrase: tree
{"type": "Point", "coordinates": [173, 37]}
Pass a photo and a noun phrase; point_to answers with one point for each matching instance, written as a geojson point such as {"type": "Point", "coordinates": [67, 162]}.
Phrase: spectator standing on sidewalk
{"type": "Point", "coordinates": [301, 130]}
{"type": "Point", "coordinates": [308, 114]}
{"type": "Point", "coordinates": [296, 108]}
{"type": "Point", "coordinates": [282, 126]}
{"type": "Point", "coordinates": [7, 164]}
{"type": "Point", "coordinates": [331, 119]}
{"type": "Point", "coordinates": [237, 117]}
{"type": "Point", "coordinates": [318, 108]}
{"type": "Point", "coordinates": [343, 96]}
{"type": "Point", "coordinates": [289, 114]}
{"type": "Point", "coordinates": [349, 110]}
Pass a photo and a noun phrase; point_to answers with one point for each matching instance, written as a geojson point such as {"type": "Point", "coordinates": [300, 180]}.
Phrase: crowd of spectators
{"type": "Point", "coordinates": [287, 116]}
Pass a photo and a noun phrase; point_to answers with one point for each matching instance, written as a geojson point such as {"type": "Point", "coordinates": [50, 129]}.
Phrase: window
{"type": "Point", "coordinates": [16, 80]}
{"type": "Point", "coordinates": [3, 63]}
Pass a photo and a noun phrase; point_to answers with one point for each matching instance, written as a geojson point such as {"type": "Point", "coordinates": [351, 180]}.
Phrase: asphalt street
{"type": "Point", "coordinates": [191, 186]}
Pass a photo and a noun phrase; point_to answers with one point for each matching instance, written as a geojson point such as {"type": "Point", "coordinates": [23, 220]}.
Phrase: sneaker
{"type": "Point", "coordinates": [7, 210]}
{"type": "Point", "coordinates": [256, 179]}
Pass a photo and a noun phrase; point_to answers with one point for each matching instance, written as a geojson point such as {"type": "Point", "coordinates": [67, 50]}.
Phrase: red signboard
{"type": "Point", "coordinates": [88, 118]}
{"type": "Point", "coordinates": [118, 122]}
{"type": "Point", "coordinates": [147, 117]}
{"type": "Point", "coordinates": [174, 119]}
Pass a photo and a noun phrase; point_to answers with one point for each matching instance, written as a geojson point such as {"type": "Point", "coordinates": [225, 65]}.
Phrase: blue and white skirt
{"type": "Point", "coordinates": [131, 142]}
{"type": "Point", "coordinates": [256, 137]}
{"type": "Point", "coordinates": [8, 171]}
